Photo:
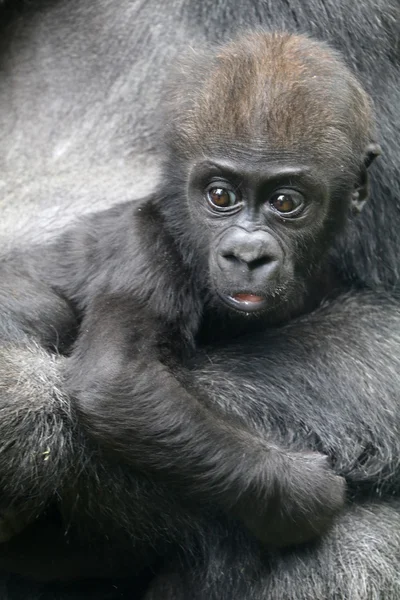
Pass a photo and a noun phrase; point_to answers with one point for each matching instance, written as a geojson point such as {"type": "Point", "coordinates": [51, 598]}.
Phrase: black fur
{"type": "Point", "coordinates": [345, 390]}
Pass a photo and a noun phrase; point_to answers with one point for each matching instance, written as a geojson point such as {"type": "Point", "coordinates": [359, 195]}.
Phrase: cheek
{"type": "Point", "coordinates": [201, 230]}
{"type": "Point", "coordinates": [309, 251]}
{"type": "Point", "coordinates": [202, 244]}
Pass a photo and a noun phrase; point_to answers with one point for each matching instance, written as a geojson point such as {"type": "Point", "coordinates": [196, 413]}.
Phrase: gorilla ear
{"type": "Point", "coordinates": [361, 190]}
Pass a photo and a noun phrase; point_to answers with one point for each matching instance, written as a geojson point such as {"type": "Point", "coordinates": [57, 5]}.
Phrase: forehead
{"type": "Point", "coordinates": [253, 163]}
{"type": "Point", "coordinates": [242, 171]}
{"type": "Point", "coordinates": [266, 158]}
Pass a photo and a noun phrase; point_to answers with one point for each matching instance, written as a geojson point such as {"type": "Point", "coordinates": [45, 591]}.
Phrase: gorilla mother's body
{"type": "Point", "coordinates": [339, 394]}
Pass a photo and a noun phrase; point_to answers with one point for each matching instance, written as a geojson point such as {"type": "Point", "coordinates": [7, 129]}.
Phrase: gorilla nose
{"type": "Point", "coordinates": [253, 250]}
{"type": "Point", "coordinates": [253, 257]}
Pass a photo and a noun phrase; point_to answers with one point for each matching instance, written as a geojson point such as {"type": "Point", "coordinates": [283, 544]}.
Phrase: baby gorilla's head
{"type": "Point", "coordinates": [268, 148]}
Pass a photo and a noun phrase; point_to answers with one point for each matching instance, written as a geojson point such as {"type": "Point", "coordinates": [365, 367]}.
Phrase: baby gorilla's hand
{"type": "Point", "coordinates": [303, 497]}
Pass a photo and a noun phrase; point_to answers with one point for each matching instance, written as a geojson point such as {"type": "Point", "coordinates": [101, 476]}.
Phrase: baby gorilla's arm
{"type": "Point", "coordinates": [134, 405]}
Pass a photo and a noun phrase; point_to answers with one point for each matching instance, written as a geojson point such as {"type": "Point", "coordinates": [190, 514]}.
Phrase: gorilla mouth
{"type": "Point", "coordinates": [246, 302]}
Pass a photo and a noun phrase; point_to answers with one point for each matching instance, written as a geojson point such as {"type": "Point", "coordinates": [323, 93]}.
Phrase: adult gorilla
{"type": "Point", "coordinates": [81, 87]}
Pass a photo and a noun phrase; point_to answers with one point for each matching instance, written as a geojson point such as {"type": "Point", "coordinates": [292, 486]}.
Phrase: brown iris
{"type": "Point", "coordinates": [286, 203]}
{"type": "Point", "coordinates": [221, 197]}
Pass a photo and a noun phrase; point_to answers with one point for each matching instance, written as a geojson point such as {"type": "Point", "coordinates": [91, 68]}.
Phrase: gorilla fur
{"type": "Point", "coordinates": [82, 86]}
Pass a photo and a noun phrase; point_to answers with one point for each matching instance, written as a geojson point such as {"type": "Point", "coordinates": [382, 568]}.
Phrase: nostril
{"type": "Point", "coordinates": [259, 262]}
{"type": "Point", "coordinates": [252, 252]}
{"type": "Point", "coordinates": [249, 262]}
{"type": "Point", "coordinates": [231, 258]}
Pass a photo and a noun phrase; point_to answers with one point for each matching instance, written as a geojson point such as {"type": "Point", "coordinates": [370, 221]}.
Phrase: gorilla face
{"type": "Point", "coordinates": [267, 225]}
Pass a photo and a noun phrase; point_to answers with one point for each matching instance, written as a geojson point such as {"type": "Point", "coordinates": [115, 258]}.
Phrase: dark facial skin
{"type": "Point", "coordinates": [256, 216]}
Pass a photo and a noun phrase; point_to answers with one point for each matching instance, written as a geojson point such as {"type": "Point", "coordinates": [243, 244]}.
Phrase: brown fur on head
{"type": "Point", "coordinates": [271, 92]}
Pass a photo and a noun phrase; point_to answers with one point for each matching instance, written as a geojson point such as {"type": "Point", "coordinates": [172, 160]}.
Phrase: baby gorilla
{"type": "Point", "coordinates": [268, 144]}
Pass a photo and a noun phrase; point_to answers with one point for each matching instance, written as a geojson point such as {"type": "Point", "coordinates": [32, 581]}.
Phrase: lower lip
{"type": "Point", "coordinates": [246, 302]}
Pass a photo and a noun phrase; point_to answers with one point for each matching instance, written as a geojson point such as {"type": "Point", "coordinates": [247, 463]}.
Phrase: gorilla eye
{"type": "Point", "coordinates": [287, 202]}
{"type": "Point", "coordinates": [222, 198]}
